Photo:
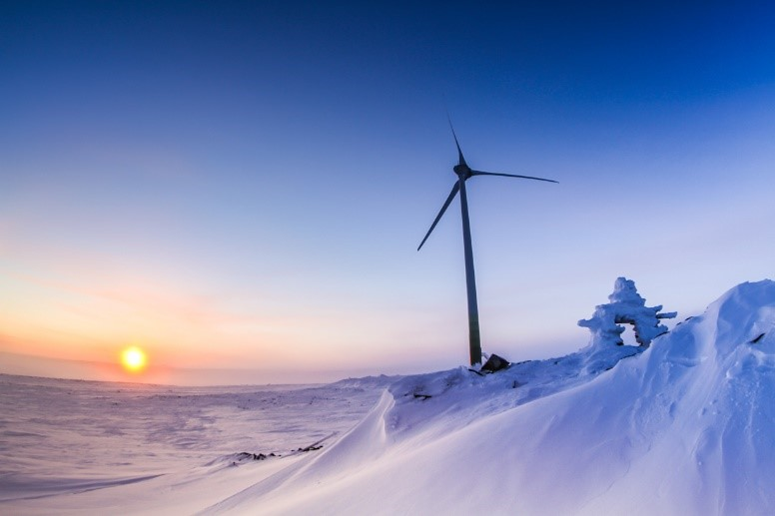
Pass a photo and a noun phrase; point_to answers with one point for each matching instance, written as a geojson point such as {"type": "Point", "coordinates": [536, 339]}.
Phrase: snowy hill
{"type": "Point", "coordinates": [683, 427]}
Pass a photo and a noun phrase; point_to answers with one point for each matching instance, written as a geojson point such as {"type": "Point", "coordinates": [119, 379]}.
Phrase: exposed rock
{"type": "Point", "coordinates": [310, 448]}
{"type": "Point", "coordinates": [495, 363]}
{"type": "Point", "coordinates": [252, 456]}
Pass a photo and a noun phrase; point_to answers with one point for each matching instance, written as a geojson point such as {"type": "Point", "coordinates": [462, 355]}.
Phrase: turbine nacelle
{"type": "Point", "coordinates": [462, 170]}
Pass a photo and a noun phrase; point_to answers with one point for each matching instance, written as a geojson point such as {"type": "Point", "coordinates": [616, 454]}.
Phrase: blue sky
{"type": "Point", "coordinates": [244, 185]}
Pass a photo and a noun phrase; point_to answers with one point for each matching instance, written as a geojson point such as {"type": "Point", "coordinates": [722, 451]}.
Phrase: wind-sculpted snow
{"type": "Point", "coordinates": [683, 427]}
{"type": "Point", "coordinates": [72, 446]}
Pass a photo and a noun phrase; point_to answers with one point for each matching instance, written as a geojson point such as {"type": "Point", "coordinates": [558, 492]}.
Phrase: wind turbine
{"type": "Point", "coordinates": [464, 173]}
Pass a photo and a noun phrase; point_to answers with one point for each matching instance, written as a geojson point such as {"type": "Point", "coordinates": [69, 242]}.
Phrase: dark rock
{"type": "Point", "coordinates": [252, 456]}
{"type": "Point", "coordinates": [310, 448]}
{"type": "Point", "coordinates": [757, 339]}
{"type": "Point", "coordinates": [495, 364]}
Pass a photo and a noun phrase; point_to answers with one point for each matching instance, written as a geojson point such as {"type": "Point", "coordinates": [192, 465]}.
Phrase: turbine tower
{"type": "Point", "coordinates": [464, 173]}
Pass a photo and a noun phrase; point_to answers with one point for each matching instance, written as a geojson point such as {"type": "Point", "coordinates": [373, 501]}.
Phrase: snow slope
{"type": "Point", "coordinates": [84, 447]}
{"type": "Point", "coordinates": [686, 427]}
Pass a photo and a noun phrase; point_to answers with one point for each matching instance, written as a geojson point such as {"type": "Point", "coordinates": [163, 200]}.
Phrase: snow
{"type": "Point", "coordinates": [626, 306]}
{"type": "Point", "coordinates": [681, 427]}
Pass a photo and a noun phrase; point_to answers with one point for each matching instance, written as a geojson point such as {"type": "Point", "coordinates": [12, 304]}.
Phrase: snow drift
{"type": "Point", "coordinates": [686, 426]}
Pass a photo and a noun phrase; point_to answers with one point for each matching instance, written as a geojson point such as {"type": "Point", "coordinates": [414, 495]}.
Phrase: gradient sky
{"type": "Point", "coordinates": [244, 184]}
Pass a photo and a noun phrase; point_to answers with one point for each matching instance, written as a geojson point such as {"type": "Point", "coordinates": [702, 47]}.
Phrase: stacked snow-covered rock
{"type": "Point", "coordinates": [626, 307]}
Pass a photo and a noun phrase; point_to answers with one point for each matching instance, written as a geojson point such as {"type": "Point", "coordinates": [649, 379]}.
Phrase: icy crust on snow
{"type": "Point", "coordinates": [684, 427]}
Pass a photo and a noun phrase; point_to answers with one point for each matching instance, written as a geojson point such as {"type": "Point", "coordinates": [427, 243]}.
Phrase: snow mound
{"type": "Point", "coordinates": [683, 427]}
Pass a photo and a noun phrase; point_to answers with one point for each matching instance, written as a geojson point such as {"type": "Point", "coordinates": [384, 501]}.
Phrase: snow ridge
{"type": "Point", "coordinates": [683, 427]}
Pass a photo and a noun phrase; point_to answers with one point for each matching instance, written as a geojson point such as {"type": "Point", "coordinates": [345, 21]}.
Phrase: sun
{"type": "Point", "coordinates": [133, 359]}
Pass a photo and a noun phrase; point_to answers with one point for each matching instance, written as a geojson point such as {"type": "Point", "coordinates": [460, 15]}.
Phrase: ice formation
{"type": "Point", "coordinates": [626, 307]}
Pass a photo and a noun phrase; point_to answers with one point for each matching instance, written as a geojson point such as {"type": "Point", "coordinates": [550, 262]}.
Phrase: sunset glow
{"type": "Point", "coordinates": [133, 359]}
{"type": "Point", "coordinates": [157, 190]}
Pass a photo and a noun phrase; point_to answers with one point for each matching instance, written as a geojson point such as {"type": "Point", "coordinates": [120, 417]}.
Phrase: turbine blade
{"type": "Point", "coordinates": [452, 195]}
{"type": "Point", "coordinates": [461, 159]}
{"type": "Point", "coordinates": [480, 173]}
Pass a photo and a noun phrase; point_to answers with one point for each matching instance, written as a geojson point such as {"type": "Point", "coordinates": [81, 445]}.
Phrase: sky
{"type": "Point", "coordinates": [242, 186]}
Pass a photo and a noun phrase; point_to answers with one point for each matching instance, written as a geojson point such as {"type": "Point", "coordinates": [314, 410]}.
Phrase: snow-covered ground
{"type": "Point", "coordinates": [95, 440]}
{"type": "Point", "coordinates": [684, 427]}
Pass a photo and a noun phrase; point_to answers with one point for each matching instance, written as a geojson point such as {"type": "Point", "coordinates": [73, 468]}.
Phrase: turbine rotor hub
{"type": "Point", "coordinates": [462, 170]}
